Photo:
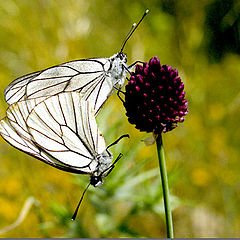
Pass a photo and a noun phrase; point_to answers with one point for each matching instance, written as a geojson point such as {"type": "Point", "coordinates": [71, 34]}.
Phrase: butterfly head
{"type": "Point", "coordinates": [118, 58]}
{"type": "Point", "coordinates": [122, 56]}
{"type": "Point", "coordinates": [96, 181]}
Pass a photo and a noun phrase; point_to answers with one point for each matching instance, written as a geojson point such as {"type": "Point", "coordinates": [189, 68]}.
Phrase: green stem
{"type": "Point", "coordinates": [166, 197]}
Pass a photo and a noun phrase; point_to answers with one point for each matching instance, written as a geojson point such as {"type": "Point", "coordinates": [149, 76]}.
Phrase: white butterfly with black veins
{"type": "Point", "coordinates": [94, 78]}
{"type": "Point", "coordinates": [60, 130]}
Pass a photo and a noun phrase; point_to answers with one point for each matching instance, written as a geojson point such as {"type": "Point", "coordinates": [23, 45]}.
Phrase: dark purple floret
{"type": "Point", "coordinates": [154, 98]}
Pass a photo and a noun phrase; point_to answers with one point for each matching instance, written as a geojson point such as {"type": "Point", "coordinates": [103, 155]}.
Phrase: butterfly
{"type": "Point", "coordinates": [94, 78]}
{"type": "Point", "coordinates": [60, 130]}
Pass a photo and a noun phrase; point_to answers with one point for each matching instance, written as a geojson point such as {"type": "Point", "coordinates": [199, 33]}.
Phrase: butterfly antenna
{"type": "Point", "coordinates": [132, 30]}
{"type": "Point", "coordinates": [76, 211]}
{"type": "Point", "coordinates": [126, 38]}
{"type": "Point", "coordinates": [115, 142]}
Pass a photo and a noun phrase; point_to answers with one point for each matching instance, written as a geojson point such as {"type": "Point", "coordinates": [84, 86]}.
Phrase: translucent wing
{"type": "Point", "coordinates": [15, 90]}
{"type": "Point", "coordinates": [64, 126]}
{"type": "Point", "coordinates": [17, 115]}
{"type": "Point", "coordinates": [88, 76]}
{"type": "Point", "coordinates": [23, 144]}
{"type": "Point", "coordinates": [14, 130]}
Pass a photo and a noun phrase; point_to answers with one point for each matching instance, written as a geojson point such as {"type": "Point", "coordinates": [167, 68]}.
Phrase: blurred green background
{"type": "Point", "coordinates": [201, 40]}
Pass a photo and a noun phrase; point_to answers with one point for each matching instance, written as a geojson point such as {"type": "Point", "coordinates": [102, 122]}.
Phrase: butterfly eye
{"type": "Point", "coordinates": [120, 55]}
{"type": "Point", "coordinates": [123, 57]}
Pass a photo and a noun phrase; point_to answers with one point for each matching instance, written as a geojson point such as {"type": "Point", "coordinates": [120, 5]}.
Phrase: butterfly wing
{"type": "Point", "coordinates": [88, 76]}
{"type": "Point", "coordinates": [23, 144]}
{"type": "Point", "coordinates": [15, 91]}
{"type": "Point", "coordinates": [64, 127]}
{"type": "Point", "coordinates": [14, 130]}
{"type": "Point", "coordinates": [17, 115]}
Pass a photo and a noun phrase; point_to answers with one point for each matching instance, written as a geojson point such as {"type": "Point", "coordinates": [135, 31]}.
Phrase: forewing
{"type": "Point", "coordinates": [60, 126]}
{"type": "Point", "coordinates": [16, 90]}
{"type": "Point", "coordinates": [14, 130]}
{"type": "Point", "coordinates": [23, 144]}
{"type": "Point", "coordinates": [28, 146]}
{"type": "Point", "coordinates": [17, 114]}
{"type": "Point", "coordinates": [86, 76]}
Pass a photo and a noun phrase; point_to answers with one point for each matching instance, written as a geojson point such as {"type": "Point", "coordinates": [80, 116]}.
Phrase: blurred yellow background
{"type": "Point", "coordinates": [201, 40]}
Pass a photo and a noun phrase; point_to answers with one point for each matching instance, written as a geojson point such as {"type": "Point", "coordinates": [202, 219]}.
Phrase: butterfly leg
{"type": "Point", "coordinates": [118, 93]}
{"type": "Point", "coordinates": [115, 142]}
{"type": "Point", "coordinates": [127, 69]}
{"type": "Point", "coordinates": [109, 169]}
{"type": "Point", "coordinates": [133, 64]}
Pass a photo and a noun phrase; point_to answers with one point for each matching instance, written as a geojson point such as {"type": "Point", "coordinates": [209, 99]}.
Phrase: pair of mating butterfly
{"type": "Point", "coordinates": [52, 114]}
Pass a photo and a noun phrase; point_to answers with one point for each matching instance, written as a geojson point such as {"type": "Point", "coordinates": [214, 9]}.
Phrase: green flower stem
{"type": "Point", "coordinates": [166, 197]}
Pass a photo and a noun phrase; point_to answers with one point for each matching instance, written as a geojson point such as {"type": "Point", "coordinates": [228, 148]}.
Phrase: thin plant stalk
{"type": "Point", "coordinates": [166, 196]}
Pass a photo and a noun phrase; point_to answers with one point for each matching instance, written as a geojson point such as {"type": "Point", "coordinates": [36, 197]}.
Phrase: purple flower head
{"type": "Point", "coordinates": [154, 98]}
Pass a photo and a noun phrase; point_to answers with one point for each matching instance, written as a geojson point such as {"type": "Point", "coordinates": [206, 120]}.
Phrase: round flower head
{"type": "Point", "coordinates": [154, 97]}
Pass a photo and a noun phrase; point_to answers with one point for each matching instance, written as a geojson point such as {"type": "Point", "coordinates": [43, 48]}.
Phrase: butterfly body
{"type": "Point", "coordinates": [118, 68]}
